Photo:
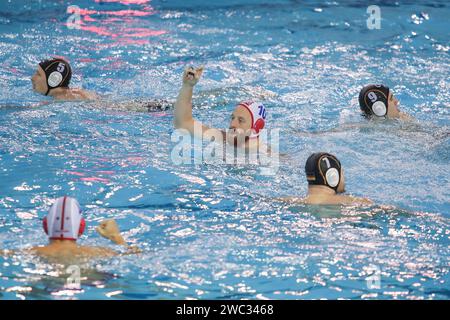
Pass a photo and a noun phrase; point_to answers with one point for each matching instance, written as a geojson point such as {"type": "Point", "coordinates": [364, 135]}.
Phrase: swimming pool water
{"type": "Point", "coordinates": [212, 231]}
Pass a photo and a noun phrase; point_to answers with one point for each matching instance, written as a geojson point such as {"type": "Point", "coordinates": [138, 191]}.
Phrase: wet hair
{"type": "Point", "coordinates": [57, 73]}
{"type": "Point", "coordinates": [323, 169]}
{"type": "Point", "coordinates": [373, 100]}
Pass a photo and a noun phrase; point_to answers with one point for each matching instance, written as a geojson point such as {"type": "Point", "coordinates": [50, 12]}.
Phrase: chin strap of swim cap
{"type": "Point", "coordinates": [258, 114]}
{"type": "Point", "coordinates": [323, 169]}
{"type": "Point", "coordinates": [57, 73]}
{"type": "Point", "coordinates": [64, 220]}
{"type": "Point", "coordinates": [373, 100]}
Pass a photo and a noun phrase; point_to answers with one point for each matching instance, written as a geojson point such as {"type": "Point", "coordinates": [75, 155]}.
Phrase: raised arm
{"type": "Point", "coordinates": [183, 105]}
{"type": "Point", "coordinates": [109, 230]}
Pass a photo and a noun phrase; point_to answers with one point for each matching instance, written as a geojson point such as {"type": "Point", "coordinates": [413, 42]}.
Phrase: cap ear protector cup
{"type": "Point", "coordinates": [82, 227]}
{"type": "Point", "coordinates": [379, 109]}
{"type": "Point", "coordinates": [332, 177]}
{"type": "Point", "coordinates": [259, 125]}
{"type": "Point", "coordinates": [45, 225]}
{"type": "Point", "coordinates": [54, 79]}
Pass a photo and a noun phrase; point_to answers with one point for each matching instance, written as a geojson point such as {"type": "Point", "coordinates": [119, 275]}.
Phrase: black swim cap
{"type": "Point", "coordinates": [57, 73]}
{"type": "Point", "coordinates": [323, 169]}
{"type": "Point", "coordinates": [373, 100]}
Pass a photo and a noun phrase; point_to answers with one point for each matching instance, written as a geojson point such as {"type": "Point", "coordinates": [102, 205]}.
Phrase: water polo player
{"type": "Point", "coordinates": [247, 119]}
{"type": "Point", "coordinates": [52, 78]}
{"type": "Point", "coordinates": [378, 101]}
{"type": "Point", "coordinates": [326, 182]}
{"type": "Point", "coordinates": [64, 224]}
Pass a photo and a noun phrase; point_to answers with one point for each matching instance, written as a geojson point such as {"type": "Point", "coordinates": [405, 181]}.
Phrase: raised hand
{"type": "Point", "coordinates": [109, 230]}
{"type": "Point", "coordinates": [191, 76]}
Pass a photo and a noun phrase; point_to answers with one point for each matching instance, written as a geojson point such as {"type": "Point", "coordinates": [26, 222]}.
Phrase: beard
{"type": "Point", "coordinates": [236, 143]}
{"type": "Point", "coordinates": [238, 137]}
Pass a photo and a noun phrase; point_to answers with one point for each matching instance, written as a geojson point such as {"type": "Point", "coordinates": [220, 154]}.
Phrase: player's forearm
{"type": "Point", "coordinates": [183, 106]}
{"type": "Point", "coordinates": [118, 239]}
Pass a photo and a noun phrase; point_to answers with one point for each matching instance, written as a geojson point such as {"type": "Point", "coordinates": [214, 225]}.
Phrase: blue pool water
{"type": "Point", "coordinates": [211, 231]}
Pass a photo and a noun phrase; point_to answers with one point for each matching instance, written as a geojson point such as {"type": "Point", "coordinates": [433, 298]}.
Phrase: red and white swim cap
{"type": "Point", "coordinates": [64, 221]}
{"type": "Point", "coordinates": [258, 114]}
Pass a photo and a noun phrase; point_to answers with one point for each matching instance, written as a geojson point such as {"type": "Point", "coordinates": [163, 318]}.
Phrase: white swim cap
{"type": "Point", "coordinates": [64, 221]}
{"type": "Point", "coordinates": [258, 114]}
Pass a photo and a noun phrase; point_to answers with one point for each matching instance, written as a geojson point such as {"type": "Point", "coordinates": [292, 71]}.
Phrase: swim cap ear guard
{"type": "Point", "coordinates": [64, 221]}
{"type": "Point", "coordinates": [57, 72]}
{"type": "Point", "coordinates": [258, 114]}
{"type": "Point", "coordinates": [373, 100]}
{"type": "Point", "coordinates": [323, 169]}
{"type": "Point", "coordinates": [332, 177]}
